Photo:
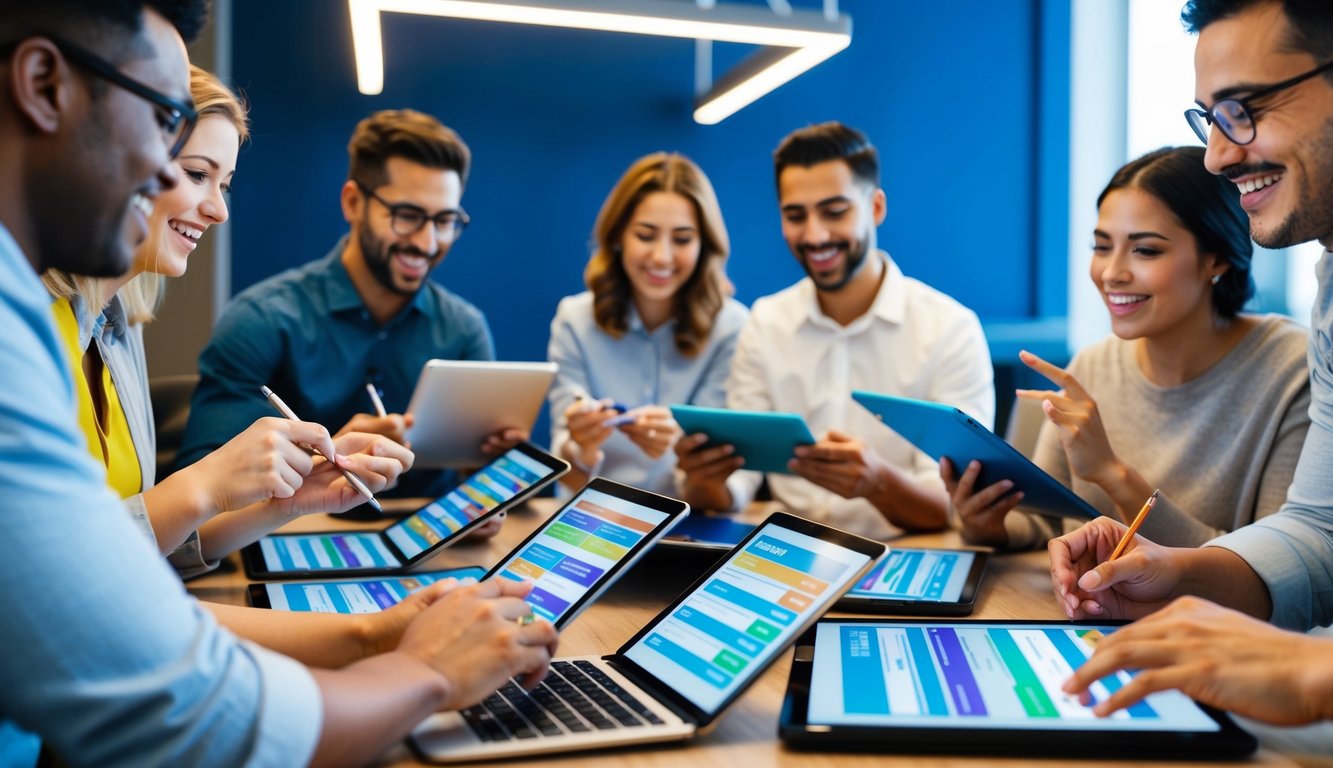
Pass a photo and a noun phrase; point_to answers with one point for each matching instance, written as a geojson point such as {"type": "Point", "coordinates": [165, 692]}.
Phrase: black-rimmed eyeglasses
{"type": "Point", "coordinates": [406, 219]}
{"type": "Point", "coordinates": [176, 118]}
{"type": "Point", "coordinates": [1235, 117]}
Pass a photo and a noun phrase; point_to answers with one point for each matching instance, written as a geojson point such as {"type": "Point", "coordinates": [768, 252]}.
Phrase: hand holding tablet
{"type": "Point", "coordinates": [766, 440]}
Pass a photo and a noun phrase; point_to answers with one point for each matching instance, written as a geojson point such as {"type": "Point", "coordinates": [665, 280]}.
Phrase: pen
{"type": "Point", "coordinates": [1134, 526]}
{"type": "Point", "coordinates": [352, 479]}
{"type": "Point", "coordinates": [375, 399]}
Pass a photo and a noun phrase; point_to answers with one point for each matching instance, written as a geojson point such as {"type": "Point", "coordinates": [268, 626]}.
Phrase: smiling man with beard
{"type": "Point", "coordinates": [855, 322]}
{"type": "Point", "coordinates": [366, 312]}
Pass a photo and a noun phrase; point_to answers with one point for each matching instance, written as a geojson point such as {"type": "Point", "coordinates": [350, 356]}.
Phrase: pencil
{"type": "Point", "coordinates": [1134, 526]}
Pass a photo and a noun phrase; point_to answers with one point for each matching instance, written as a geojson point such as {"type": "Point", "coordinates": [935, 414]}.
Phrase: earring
{"type": "Point", "coordinates": [1214, 279]}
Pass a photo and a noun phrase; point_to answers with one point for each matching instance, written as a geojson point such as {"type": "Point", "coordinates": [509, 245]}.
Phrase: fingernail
{"type": "Point", "coordinates": [1006, 484]}
{"type": "Point", "coordinates": [1090, 580]}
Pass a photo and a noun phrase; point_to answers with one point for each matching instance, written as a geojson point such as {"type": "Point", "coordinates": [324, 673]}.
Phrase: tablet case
{"type": "Point", "coordinates": [765, 439]}
{"type": "Point", "coordinates": [940, 430]}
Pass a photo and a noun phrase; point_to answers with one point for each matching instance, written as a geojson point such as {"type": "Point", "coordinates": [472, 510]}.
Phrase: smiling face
{"type": "Point", "coordinates": [182, 215]}
{"type": "Point", "coordinates": [829, 220]}
{"type": "Point", "coordinates": [1286, 174]}
{"type": "Point", "coordinates": [400, 263]}
{"type": "Point", "coordinates": [659, 251]}
{"type": "Point", "coordinates": [106, 166]}
{"type": "Point", "coordinates": [1148, 268]}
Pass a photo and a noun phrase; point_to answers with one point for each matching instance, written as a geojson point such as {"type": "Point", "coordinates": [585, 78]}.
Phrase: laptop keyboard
{"type": "Point", "coordinates": [575, 697]}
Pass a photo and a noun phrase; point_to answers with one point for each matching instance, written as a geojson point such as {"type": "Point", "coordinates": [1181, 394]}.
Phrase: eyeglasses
{"type": "Point", "coordinates": [406, 219]}
{"type": "Point", "coordinates": [1235, 117]}
{"type": "Point", "coordinates": [176, 118]}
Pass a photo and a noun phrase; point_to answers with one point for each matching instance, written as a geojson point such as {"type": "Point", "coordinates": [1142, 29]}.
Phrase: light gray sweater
{"type": "Point", "coordinates": [1222, 447]}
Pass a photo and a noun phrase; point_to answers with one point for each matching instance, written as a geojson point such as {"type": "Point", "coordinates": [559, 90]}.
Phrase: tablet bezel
{"type": "Point", "coordinates": [897, 606]}
{"type": "Point", "coordinates": [795, 730]}
{"type": "Point", "coordinates": [951, 432]}
{"type": "Point", "coordinates": [674, 509]}
{"type": "Point", "coordinates": [749, 432]}
{"type": "Point", "coordinates": [252, 556]}
{"type": "Point", "coordinates": [258, 593]}
{"type": "Point", "coordinates": [667, 694]}
{"type": "Point", "coordinates": [458, 403]}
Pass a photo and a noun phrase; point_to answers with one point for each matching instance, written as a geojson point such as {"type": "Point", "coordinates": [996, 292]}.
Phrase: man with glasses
{"type": "Point", "coordinates": [1264, 85]}
{"type": "Point", "coordinates": [364, 314]}
{"type": "Point", "coordinates": [105, 658]}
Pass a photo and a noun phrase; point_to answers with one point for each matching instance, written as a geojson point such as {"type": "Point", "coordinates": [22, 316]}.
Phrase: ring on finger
{"type": "Point", "coordinates": [525, 619]}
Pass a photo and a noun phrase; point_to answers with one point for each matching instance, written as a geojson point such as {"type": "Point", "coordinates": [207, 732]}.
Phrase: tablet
{"type": "Point", "coordinates": [765, 439]}
{"type": "Point", "coordinates": [458, 403]}
{"type": "Point", "coordinates": [505, 482]}
{"type": "Point", "coordinates": [981, 688]}
{"type": "Point", "coordinates": [703, 531]}
{"type": "Point", "coordinates": [929, 582]}
{"type": "Point", "coordinates": [940, 430]}
{"type": "Point", "coordinates": [584, 547]}
{"type": "Point", "coordinates": [351, 595]}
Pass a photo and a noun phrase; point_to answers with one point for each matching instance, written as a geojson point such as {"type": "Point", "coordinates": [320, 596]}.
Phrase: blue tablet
{"type": "Point", "coordinates": [765, 439]}
{"type": "Point", "coordinates": [940, 430]}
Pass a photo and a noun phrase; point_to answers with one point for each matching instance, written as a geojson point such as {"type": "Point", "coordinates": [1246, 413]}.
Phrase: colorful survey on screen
{"type": "Point", "coordinates": [327, 552]}
{"type": "Point", "coordinates": [356, 596]}
{"type": "Point", "coordinates": [960, 676]}
{"type": "Point", "coordinates": [577, 547]}
{"type": "Point", "coordinates": [492, 485]}
{"type": "Point", "coordinates": [927, 575]}
{"type": "Point", "coordinates": [744, 613]}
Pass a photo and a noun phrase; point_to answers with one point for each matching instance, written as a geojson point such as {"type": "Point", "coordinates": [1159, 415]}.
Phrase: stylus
{"type": "Point", "coordinates": [352, 479]}
{"type": "Point", "coordinates": [376, 401]}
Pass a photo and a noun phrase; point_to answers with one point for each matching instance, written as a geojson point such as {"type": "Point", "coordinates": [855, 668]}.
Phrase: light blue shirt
{"type": "Point", "coordinates": [105, 656]}
{"type": "Point", "coordinates": [1292, 551]}
{"type": "Point", "coordinates": [639, 368]}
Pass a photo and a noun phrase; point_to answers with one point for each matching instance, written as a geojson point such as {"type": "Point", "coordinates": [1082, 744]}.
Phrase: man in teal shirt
{"type": "Point", "coordinates": [365, 313]}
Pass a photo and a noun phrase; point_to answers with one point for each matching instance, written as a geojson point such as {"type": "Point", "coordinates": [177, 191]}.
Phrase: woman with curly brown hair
{"type": "Point", "coordinates": [656, 326]}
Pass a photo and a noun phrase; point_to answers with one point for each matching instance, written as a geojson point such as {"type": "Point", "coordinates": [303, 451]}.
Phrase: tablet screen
{"type": "Point", "coordinates": [577, 548]}
{"type": "Point", "coordinates": [362, 596]}
{"type": "Point", "coordinates": [991, 675]}
{"type": "Point", "coordinates": [933, 575]}
{"type": "Point", "coordinates": [744, 612]}
{"type": "Point", "coordinates": [499, 481]}
{"type": "Point", "coordinates": [326, 551]}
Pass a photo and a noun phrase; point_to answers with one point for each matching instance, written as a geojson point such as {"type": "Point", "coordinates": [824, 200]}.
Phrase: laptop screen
{"type": "Point", "coordinates": [743, 613]}
{"type": "Point", "coordinates": [978, 675]}
{"type": "Point", "coordinates": [492, 485]}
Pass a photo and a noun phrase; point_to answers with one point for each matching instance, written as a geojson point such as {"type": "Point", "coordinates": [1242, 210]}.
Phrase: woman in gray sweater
{"type": "Point", "coordinates": [1189, 395]}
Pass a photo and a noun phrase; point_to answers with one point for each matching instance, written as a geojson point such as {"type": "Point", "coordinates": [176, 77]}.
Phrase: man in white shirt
{"type": "Point", "coordinates": [855, 322]}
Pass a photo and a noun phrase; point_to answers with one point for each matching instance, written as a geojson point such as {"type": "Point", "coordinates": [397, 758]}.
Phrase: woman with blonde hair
{"type": "Point", "coordinates": [262, 478]}
{"type": "Point", "coordinates": [656, 326]}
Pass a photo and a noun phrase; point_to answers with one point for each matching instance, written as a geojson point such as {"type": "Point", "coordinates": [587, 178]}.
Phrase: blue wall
{"type": "Point", "coordinates": [966, 101]}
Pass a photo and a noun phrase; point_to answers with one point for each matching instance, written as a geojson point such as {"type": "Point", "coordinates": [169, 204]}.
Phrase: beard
{"type": "Point", "coordinates": [855, 256]}
{"type": "Point", "coordinates": [379, 255]}
{"type": "Point", "coordinates": [1312, 218]}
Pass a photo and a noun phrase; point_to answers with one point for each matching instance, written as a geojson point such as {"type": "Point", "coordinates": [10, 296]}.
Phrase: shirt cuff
{"type": "Point", "coordinates": [291, 712]}
{"type": "Point", "coordinates": [188, 558]}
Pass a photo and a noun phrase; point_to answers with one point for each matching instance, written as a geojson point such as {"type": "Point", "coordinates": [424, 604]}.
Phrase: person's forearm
{"type": "Point", "coordinates": [225, 533]}
{"type": "Point", "coordinates": [329, 641]}
{"type": "Point", "coordinates": [372, 704]}
{"type": "Point", "coordinates": [908, 504]}
{"type": "Point", "coordinates": [1126, 488]}
{"type": "Point", "coordinates": [707, 495]}
{"type": "Point", "coordinates": [175, 509]}
{"type": "Point", "coordinates": [1222, 576]}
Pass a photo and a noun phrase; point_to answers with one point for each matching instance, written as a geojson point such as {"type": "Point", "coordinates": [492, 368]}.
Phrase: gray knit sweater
{"type": "Point", "coordinates": [1222, 447]}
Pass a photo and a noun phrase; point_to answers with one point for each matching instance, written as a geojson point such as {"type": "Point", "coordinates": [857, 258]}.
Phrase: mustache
{"type": "Point", "coordinates": [1236, 171]}
{"type": "Point", "coordinates": [411, 250]}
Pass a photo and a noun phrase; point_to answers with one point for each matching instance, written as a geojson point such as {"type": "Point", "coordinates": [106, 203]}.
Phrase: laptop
{"type": "Point", "coordinates": [981, 687]}
{"type": "Point", "coordinates": [676, 677]}
{"type": "Point", "coordinates": [505, 482]}
{"type": "Point", "coordinates": [940, 430]}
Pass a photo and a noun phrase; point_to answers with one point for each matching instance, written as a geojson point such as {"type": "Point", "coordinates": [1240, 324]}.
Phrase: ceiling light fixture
{"type": "Point", "coordinates": [792, 43]}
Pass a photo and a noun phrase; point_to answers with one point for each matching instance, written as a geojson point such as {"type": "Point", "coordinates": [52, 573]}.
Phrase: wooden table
{"type": "Point", "coordinates": [1017, 586]}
